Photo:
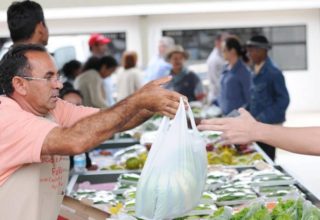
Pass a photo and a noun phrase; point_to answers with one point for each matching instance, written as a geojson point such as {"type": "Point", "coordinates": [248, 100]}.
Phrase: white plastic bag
{"type": "Point", "coordinates": [174, 175]}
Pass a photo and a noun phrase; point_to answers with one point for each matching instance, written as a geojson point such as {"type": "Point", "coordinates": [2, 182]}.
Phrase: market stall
{"type": "Point", "coordinates": [239, 177]}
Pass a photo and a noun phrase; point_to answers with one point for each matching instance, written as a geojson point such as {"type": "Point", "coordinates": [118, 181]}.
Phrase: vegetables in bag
{"type": "Point", "coordinates": [174, 175]}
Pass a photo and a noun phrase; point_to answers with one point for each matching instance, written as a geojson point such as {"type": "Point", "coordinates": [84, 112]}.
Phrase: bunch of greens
{"type": "Point", "coordinates": [288, 210]}
{"type": "Point", "coordinates": [256, 212]}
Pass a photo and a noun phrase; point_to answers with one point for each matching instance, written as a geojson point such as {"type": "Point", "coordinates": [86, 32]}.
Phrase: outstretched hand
{"type": "Point", "coordinates": [159, 100]}
{"type": "Point", "coordinates": [238, 130]}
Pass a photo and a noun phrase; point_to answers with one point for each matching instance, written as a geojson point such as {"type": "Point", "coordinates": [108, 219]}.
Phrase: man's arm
{"type": "Point", "coordinates": [89, 131]}
{"type": "Point", "coordinates": [298, 140]}
{"type": "Point", "coordinates": [137, 119]}
{"type": "Point", "coordinates": [245, 129]}
{"type": "Point", "coordinates": [92, 130]}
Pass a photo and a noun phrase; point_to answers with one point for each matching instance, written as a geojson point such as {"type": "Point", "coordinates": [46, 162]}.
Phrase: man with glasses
{"type": "Point", "coordinates": [39, 130]}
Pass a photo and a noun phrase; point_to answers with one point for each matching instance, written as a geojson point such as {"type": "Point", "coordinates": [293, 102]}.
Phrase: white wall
{"type": "Point", "coordinates": [130, 25]}
{"type": "Point", "coordinates": [143, 34]}
{"type": "Point", "coordinates": [303, 86]}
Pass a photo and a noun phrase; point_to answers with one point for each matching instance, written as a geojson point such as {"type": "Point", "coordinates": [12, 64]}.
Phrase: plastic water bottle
{"type": "Point", "coordinates": [79, 163]}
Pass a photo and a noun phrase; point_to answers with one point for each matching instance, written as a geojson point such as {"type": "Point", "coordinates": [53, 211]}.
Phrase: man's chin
{"type": "Point", "coordinates": [52, 104]}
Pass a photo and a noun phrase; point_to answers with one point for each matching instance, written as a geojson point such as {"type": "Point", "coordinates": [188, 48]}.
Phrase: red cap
{"type": "Point", "coordinates": [98, 38]}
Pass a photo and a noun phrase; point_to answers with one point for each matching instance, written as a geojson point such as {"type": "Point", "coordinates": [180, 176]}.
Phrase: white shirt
{"type": "Point", "coordinates": [215, 64]}
{"type": "Point", "coordinates": [128, 81]}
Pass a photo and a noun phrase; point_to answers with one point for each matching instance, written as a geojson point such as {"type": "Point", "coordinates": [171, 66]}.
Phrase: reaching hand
{"type": "Point", "coordinates": [239, 130]}
{"type": "Point", "coordinates": [159, 100]}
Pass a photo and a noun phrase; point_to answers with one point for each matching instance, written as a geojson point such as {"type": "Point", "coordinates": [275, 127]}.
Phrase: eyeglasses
{"type": "Point", "coordinates": [48, 79]}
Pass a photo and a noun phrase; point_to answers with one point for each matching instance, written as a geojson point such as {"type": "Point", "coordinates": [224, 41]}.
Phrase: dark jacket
{"type": "Point", "coordinates": [269, 95]}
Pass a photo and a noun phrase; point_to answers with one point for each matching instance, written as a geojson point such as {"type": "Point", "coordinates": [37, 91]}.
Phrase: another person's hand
{"type": "Point", "coordinates": [238, 130]}
{"type": "Point", "coordinates": [157, 99]}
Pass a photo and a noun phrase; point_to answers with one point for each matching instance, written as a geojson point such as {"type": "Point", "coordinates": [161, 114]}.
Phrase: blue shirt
{"type": "Point", "coordinates": [269, 95]}
{"type": "Point", "coordinates": [157, 68]}
{"type": "Point", "coordinates": [234, 87]}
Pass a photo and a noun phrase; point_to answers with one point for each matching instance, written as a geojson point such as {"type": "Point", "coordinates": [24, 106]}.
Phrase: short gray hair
{"type": "Point", "coordinates": [167, 41]}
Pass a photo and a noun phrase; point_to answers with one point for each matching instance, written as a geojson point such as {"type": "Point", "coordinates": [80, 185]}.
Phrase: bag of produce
{"type": "Point", "coordinates": [310, 212]}
{"type": "Point", "coordinates": [289, 209]}
{"type": "Point", "coordinates": [257, 211]}
{"type": "Point", "coordinates": [174, 175]}
{"type": "Point", "coordinates": [223, 213]}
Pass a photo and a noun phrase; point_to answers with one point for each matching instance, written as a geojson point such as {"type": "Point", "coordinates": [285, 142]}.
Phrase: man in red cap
{"type": "Point", "coordinates": [98, 45]}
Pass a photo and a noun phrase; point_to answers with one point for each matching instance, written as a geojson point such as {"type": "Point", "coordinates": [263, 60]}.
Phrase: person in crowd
{"type": "Point", "coordinates": [245, 129]}
{"type": "Point", "coordinates": [129, 77]}
{"type": "Point", "coordinates": [90, 82]}
{"type": "Point", "coordinates": [71, 70]}
{"type": "Point", "coordinates": [236, 77]}
{"type": "Point", "coordinates": [26, 24]}
{"type": "Point", "coordinates": [183, 81]}
{"type": "Point", "coordinates": [215, 63]}
{"type": "Point", "coordinates": [40, 130]}
{"type": "Point", "coordinates": [91, 63]}
{"type": "Point", "coordinates": [158, 67]}
{"type": "Point", "coordinates": [269, 95]}
{"type": "Point", "coordinates": [98, 45]}
{"type": "Point", "coordinates": [73, 96]}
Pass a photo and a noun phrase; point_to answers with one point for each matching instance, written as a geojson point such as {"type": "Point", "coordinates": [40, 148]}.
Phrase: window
{"type": "Point", "coordinates": [117, 45]}
{"type": "Point", "coordinates": [289, 49]}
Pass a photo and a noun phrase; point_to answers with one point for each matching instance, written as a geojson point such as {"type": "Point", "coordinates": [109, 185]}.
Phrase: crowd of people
{"type": "Point", "coordinates": [46, 118]}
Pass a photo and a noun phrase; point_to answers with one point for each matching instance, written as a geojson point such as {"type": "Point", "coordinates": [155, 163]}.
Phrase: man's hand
{"type": "Point", "coordinates": [157, 99]}
{"type": "Point", "coordinates": [239, 130]}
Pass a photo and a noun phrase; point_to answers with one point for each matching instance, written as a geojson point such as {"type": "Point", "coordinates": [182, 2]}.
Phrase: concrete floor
{"type": "Point", "coordinates": [306, 169]}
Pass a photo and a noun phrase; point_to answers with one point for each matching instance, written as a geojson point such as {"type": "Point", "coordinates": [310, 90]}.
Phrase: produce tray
{"type": "Point", "coordinates": [96, 177]}
{"type": "Point", "coordinates": [112, 176]}
{"type": "Point", "coordinates": [309, 195]}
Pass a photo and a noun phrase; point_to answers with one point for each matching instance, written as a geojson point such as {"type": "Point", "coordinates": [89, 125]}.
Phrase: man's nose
{"type": "Point", "coordinates": [58, 84]}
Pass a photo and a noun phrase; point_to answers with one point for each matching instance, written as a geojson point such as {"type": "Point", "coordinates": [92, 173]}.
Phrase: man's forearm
{"type": "Point", "coordinates": [137, 119]}
{"type": "Point", "coordinates": [91, 131]}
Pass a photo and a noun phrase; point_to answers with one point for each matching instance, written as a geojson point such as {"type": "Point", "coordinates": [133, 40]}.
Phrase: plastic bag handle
{"type": "Point", "coordinates": [191, 117]}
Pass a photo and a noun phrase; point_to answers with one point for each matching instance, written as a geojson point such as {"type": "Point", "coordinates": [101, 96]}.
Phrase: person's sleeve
{"type": "Point", "coordinates": [199, 90]}
{"type": "Point", "coordinates": [67, 114]}
{"type": "Point", "coordinates": [275, 113]}
{"type": "Point", "coordinates": [246, 84]}
{"type": "Point", "coordinates": [96, 90]}
{"type": "Point", "coordinates": [164, 70]}
{"type": "Point", "coordinates": [215, 71]}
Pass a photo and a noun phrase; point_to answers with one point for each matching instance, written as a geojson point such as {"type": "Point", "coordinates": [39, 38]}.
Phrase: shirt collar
{"type": "Point", "coordinates": [258, 67]}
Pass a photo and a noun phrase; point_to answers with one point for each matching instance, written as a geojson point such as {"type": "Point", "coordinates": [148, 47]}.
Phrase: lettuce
{"type": "Point", "coordinates": [223, 213]}
{"type": "Point", "coordinates": [240, 215]}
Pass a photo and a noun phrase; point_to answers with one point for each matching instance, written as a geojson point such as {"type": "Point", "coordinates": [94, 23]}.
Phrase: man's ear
{"type": "Point", "coordinates": [19, 85]}
{"type": "Point", "coordinates": [42, 27]}
{"type": "Point", "coordinates": [41, 33]}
